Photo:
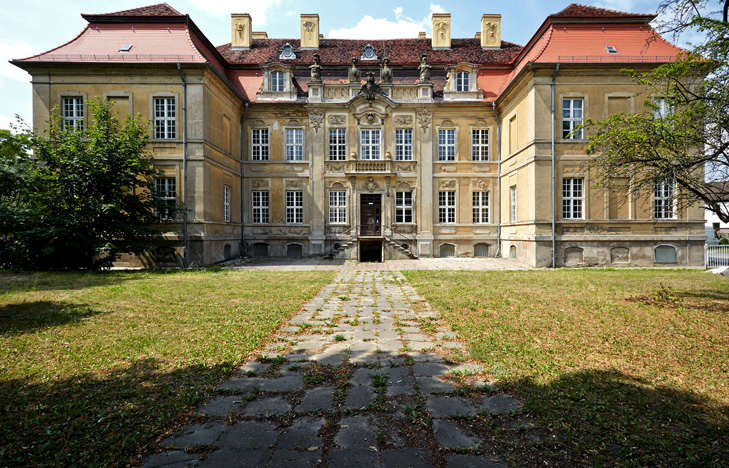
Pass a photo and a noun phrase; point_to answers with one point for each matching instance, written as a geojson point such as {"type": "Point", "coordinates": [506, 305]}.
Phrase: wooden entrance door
{"type": "Point", "coordinates": [370, 214]}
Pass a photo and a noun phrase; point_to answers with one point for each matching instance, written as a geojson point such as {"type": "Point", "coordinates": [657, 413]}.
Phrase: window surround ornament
{"type": "Point", "coordinates": [470, 90]}
{"type": "Point", "coordinates": [289, 90]}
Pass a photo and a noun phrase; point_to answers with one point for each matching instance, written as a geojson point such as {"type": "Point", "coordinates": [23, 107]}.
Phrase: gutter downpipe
{"type": "Point", "coordinates": [554, 214]}
{"type": "Point", "coordinates": [498, 176]}
{"type": "Point", "coordinates": [242, 191]}
{"type": "Point", "coordinates": [184, 167]}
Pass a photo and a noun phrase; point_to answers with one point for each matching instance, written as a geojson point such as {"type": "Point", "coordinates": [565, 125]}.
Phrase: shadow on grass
{"type": "Point", "coordinates": [613, 419]}
{"type": "Point", "coordinates": [90, 420]}
{"type": "Point", "coordinates": [71, 280]}
{"type": "Point", "coordinates": [27, 317]}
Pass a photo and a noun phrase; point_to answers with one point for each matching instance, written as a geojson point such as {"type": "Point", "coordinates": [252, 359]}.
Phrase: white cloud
{"type": "Point", "coordinates": [14, 50]}
{"type": "Point", "coordinates": [382, 28]}
{"type": "Point", "coordinates": [258, 9]}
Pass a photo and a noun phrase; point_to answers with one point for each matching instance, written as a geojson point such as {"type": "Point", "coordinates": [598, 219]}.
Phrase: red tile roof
{"type": "Point", "coordinates": [160, 9]}
{"type": "Point", "coordinates": [577, 10]}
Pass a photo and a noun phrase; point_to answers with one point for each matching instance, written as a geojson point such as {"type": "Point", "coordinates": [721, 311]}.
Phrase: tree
{"type": "Point", "coordinates": [683, 136]}
{"type": "Point", "coordinates": [88, 198]}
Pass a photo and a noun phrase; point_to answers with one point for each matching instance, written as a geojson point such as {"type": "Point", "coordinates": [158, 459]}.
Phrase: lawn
{"type": "Point", "coordinates": [94, 366]}
{"type": "Point", "coordinates": [629, 368]}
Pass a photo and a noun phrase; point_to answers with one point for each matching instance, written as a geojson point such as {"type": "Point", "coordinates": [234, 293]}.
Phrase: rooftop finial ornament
{"type": "Point", "coordinates": [386, 72]}
{"type": "Point", "coordinates": [424, 69]}
{"type": "Point", "coordinates": [315, 70]}
{"type": "Point", "coordinates": [354, 76]}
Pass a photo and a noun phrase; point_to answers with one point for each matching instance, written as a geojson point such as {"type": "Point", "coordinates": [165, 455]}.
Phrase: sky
{"type": "Point", "coordinates": [29, 27]}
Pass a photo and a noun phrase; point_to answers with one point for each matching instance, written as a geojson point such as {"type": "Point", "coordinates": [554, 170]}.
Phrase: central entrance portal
{"type": "Point", "coordinates": [370, 220]}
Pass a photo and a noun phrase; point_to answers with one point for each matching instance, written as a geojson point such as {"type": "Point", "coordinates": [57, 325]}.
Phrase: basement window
{"type": "Point", "coordinates": [611, 50]}
{"type": "Point", "coordinates": [125, 48]}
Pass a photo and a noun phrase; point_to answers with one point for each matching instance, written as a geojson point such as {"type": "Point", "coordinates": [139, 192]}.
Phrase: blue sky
{"type": "Point", "coordinates": [29, 27]}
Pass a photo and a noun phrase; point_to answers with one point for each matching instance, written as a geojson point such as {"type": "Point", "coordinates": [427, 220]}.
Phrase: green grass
{"type": "Point", "coordinates": [94, 366]}
{"type": "Point", "coordinates": [630, 367]}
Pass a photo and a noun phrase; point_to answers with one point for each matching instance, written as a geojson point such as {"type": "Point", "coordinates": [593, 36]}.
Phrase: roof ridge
{"type": "Point", "coordinates": [156, 9]}
{"type": "Point", "coordinates": [572, 11]}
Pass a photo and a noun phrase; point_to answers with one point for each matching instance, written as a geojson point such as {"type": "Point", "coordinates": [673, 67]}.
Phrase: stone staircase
{"type": "Point", "coordinates": [342, 247]}
{"type": "Point", "coordinates": [402, 249]}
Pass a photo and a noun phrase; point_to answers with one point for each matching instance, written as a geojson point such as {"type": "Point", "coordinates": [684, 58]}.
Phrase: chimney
{"type": "Point", "coordinates": [441, 31]}
{"type": "Point", "coordinates": [241, 34]}
{"type": "Point", "coordinates": [421, 35]}
{"type": "Point", "coordinates": [309, 31]}
{"type": "Point", "coordinates": [260, 35]}
{"type": "Point", "coordinates": [491, 31]}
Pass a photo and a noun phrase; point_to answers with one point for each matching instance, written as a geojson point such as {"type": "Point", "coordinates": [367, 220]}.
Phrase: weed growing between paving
{"type": "Point", "coordinates": [629, 366]}
{"type": "Point", "coordinates": [93, 366]}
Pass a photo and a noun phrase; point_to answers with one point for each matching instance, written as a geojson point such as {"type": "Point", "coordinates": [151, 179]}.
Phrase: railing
{"type": "Point", "coordinates": [615, 58]}
{"type": "Point", "coordinates": [370, 230]}
{"type": "Point", "coordinates": [121, 57]}
{"type": "Point", "coordinates": [716, 255]}
{"type": "Point", "coordinates": [372, 166]}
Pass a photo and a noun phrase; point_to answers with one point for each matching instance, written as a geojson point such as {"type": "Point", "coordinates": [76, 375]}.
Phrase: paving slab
{"type": "Point", "coordinates": [500, 404]}
{"type": "Point", "coordinates": [451, 436]}
{"type": "Point", "coordinates": [248, 435]}
{"type": "Point", "coordinates": [407, 458]}
{"type": "Point", "coordinates": [473, 461]}
{"type": "Point", "coordinates": [433, 385]}
{"type": "Point", "coordinates": [443, 406]}
{"type": "Point", "coordinates": [430, 369]}
{"type": "Point", "coordinates": [234, 458]}
{"type": "Point", "coordinates": [197, 434]}
{"type": "Point", "coordinates": [353, 459]}
{"type": "Point", "coordinates": [359, 397]}
{"type": "Point", "coordinates": [315, 399]}
{"type": "Point", "coordinates": [302, 434]}
{"type": "Point", "coordinates": [222, 406]}
{"type": "Point", "coordinates": [267, 406]}
{"type": "Point", "coordinates": [282, 384]}
{"type": "Point", "coordinates": [354, 432]}
{"type": "Point", "coordinates": [293, 458]}
{"type": "Point", "coordinates": [171, 459]}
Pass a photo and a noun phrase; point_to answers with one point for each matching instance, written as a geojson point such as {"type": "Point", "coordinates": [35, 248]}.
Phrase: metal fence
{"type": "Point", "coordinates": [716, 255]}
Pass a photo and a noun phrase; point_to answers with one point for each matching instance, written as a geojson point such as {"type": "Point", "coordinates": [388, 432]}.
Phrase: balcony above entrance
{"type": "Point", "coordinates": [359, 167]}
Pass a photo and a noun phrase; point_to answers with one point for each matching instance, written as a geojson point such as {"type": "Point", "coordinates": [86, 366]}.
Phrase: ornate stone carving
{"type": "Point", "coordinates": [424, 69]}
{"type": "Point", "coordinates": [259, 184]}
{"type": "Point", "coordinates": [482, 184]}
{"type": "Point", "coordinates": [258, 123]}
{"type": "Point", "coordinates": [337, 120]}
{"type": "Point", "coordinates": [293, 123]}
{"type": "Point", "coordinates": [316, 119]}
{"type": "Point", "coordinates": [371, 118]}
{"type": "Point", "coordinates": [481, 123]}
{"type": "Point", "coordinates": [337, 185]}
{"type": "Point", "coordinates": [424, 118]}
{"type": "Point", "coordinates": [294, 184]}
{"type": "Point", "coordinates": [409, 167]}
{"type": "Point", "coordinates": [335, 167]}
{"type": "Point", "coordinates": [370, 88]}
{"type": "Point", "coordinates": [448, 184]}
{"type": "Point", "coordinates": [447, 123]}
{"type": "Point", "coordinates": [353, 73]}
{"type": "Point", "coordinates": [371, 185]}
{"type": "Point", "coordinates": [403, 186]}
{"type": "Point", "coordinates": [442, 28]}
{"type": "Point", "coordinates": [386, 72]}
{"type": "Point", "coordinates": [336, 92]}
{"type": "Point", "coordinates": [404, 92]}
{"type": "Point", "coordinates": [315, 68]}
{"type": "Point", "coordinates": [403, 120]}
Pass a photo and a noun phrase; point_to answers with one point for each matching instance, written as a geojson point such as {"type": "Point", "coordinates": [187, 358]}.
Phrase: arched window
{"type": "Point", "coordinates": [481, 250]}
{"type": "Point", "coordinates": [462, 81]}
{"type": "Point", "coordinates": [512, 252]}
{"type": "Point", "coordinates": [447, 250]}
{"type": "Point", "coordinates": [294, 251]}
{"type": "Point", "coordinates": [665, 254]}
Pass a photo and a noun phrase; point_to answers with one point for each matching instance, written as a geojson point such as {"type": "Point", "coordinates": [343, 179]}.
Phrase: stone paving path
{"type": "Point", "coordinates": [366, 375]}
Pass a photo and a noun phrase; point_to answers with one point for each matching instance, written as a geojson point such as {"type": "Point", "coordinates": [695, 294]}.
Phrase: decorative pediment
{"type": "Point", "coordinates": [447, 123]}
{"type": "Point", "coordinates": [448, 184]}
{"type": "Point", "coordinates": [259, 184]}
{"type": "Point", "coordinates": [258, 123]}
{"type": "Point", "coordinates": [403, 120]}
{"type": "Point", "coordinates": [337, 119]}
{"type": "Point", "coordinates": [295, 184]}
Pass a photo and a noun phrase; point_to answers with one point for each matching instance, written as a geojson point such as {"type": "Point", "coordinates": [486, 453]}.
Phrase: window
{"type": "Point", "coordinates": [164, 118]}
{"type": "Point", "coordinates": [403, 207]}
{"type": "Point", "coordinates": [572, 119]}
{"type": "Point", "coordinates": [337, 144]}
{"type": "Point", "coordinates": [226, 203]}
{"type": "Point", "coordinates": [665, 254]}
{"type": "Point", "coordinates": [481, 250]}
{"type": "Point", "coordinates": [664, 200]}
{"type": "Point", "coordinates": [572, 198]}
{"type": "Point", "coordinates": [480, 207]}
{"type": "Point", "coordinates": [338, 206]}
{"type": "Point", "coordinates": [277, 81]}
{"type": "Point", "coordinates": [73, 113]}
{"type": "Point", "coordinates": [447, 250]}
{"type": "Point", "coordinates": [462, 81]}
{"type": "Point", "coordinates": [166, 188]}
{"type": "Point", "coordinates": [259, 150]}
{"type": "Point", "coordinates": [512, 193]}
{"type": "Point", "coordinates": [446, 207]}
{"type": "Point", "coordinates": [294, 144]}
{"type": "Point", "coordinates": [403, 144]}
{"type": "Point", "coordinates": [260, 207]}
{"type": "Point", "coordinates": [446, 144]}
{"type": "Point", "coordinates": [611, 49]}
{"type": "Point", "coordinates": [370, 144]}
{"type": "Point", "coordinates": [294, 207]}
{"type": "Point", "coordinates": [480, 144]}
{"type": "Point", "coordinates": [662, 108]}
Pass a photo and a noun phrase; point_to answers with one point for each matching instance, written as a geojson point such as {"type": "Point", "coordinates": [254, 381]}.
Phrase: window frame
{"type": "Point", "coordinates": [338, 149]}
{"type": "Point", "coordinates": [513, 201]}
{"type": "Point", "coordinates": [404, 207]}
{"type": "Point", "coordinates": [403, 148]}
{"type": "Point", "coordinates": [478, 148]}
{"type": "Point", "coordinates": [277, 81]}
{"type": "Point", "coordinates": [77, 119]}
{"type": "Point", "coordinates": [337, 207]}
{"type": "Point", "coordinates": [463, 79]}
{"type": "Point", "coordinates": [260, 207]}
{"type": "Point", "coordinates": [226, 203]}
{"type": "Point", "coordinates": [371, 148]}
{"type": "Point", "coordinates": [167, 197]}
{"type": "Point", "coordinates": [444, 145]}
{"type": "Point", "coordinates": [292, 146]}
{"type": "Point", "coordinates": [258, 148]}
{"type": "Point", "coordinates": [573, 198]}
{"type": "Point", "coordinates": [447, 207]}
{"type": "Point", "coordinates": [294, 204]}
{"type": "Point", "coordinates": [168, 129]}
{"type": "Point", "coordinates": [481, 211]}
{"type": "Point", "coordinates": [570, 120]}
{"type": "Point", "coordinates": [664, 203]}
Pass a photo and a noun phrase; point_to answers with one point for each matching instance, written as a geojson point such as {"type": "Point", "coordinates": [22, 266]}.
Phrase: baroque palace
{"type": "Point", "coordinates": [372, 149]}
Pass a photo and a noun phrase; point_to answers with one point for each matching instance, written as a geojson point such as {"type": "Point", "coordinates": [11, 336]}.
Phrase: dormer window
{"type": "Point", "coordinates": [125, 48]}
{"type": "Point", "coordinates": [368, 53]}
{"type": "Point", "coordinates": [287, 52]}
{"type": "Point", "coordinates": [462, 81]}
{"type": "Point", "coordinates": [277, 81]}
{"type": "Point", "coordinates": [611, 50]}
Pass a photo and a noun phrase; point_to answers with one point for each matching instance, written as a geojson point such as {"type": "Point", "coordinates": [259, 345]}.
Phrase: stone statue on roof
{"type": "Point", "coordinates": [424, 69]}
{"type": "Point", "coordinates": [354, 76]}
{"type": "Point", "coordinates": [370, 88]}
{"type": "Point", "coordinates": [385, 72]}
{"type": "Point", "coordinates": [315, 70]}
